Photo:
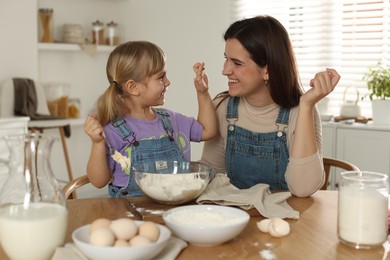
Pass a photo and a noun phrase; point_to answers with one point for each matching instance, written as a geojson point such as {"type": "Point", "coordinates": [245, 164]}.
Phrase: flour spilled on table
{"type": "Point", "coordinates": [267, 253]}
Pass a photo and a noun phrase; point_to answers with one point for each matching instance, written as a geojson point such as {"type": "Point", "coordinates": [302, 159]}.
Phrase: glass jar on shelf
{"type": "Point", "coordinates": [112, 34]}
{"type": "Point", "coordinates": [98, 32]}
{"type": "Point", "coordinates": [45, 17]}
{"type": "Point", "coordinates": [74, 108]}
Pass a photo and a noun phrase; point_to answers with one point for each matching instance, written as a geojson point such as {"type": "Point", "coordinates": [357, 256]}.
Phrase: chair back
{"type": "Point", "coordinates": [336, 163]}
{"type": "Point", "coordinates": [72, 186]}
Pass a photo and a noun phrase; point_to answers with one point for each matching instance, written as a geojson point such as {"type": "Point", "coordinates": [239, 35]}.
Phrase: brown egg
{"type": "Point", "coordinates": [124, 228]}
{"type": "Point", "coordinates": [139, 241]}
{"type": "Point", "coordinates": [150, 230]}
{"type": "Point", "coordinates": [100, 222]}
{"type": "Point", "coordinates": [121, 243]}
{"type": "Point", "coordinates": [102, 236]}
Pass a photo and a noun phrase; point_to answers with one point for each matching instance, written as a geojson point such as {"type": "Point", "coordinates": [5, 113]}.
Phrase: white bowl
{"type": "Point", "coordinates": [81, 239]}
{"type": "Point", "coordinates": [172, 182]}
{"type": "Point", "coordinates": [206, 225]}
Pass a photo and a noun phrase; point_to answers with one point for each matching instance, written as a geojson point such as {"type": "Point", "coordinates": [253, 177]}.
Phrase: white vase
{"type": "Point", "coordinates": [381, 111]}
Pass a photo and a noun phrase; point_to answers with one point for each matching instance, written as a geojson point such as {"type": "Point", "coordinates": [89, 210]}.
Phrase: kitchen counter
{"type": "Point", "coordinates": [353, 125]}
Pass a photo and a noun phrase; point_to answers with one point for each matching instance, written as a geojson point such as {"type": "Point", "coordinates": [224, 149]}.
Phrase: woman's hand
{"type": "Point", "coordinates": [201, 80]}
{"type": "Point", "coordinates": [93, 129]}
{"type": "Point", "coordinates": [321, 85]}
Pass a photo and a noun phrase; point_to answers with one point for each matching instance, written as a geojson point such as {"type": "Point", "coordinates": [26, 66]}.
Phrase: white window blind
{"type": "Point", "coordinates": [348, 35]}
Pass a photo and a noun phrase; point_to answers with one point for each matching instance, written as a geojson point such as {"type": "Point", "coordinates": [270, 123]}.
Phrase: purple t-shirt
{"type": "Point", "coordinates": [186, 129]}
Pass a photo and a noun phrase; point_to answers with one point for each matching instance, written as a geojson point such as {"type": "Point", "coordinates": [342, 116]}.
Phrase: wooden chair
{"type": "Point", "coordinates": [332, 162]}
{"type": "Point", "coordinates": [71, 187]}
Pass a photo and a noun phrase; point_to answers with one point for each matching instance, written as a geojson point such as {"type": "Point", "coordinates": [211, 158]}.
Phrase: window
{"type": "Point", "coordinates": [348, 35]}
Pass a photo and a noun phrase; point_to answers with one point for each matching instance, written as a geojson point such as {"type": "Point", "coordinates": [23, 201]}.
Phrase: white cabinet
{"type": "Point", "coordinates": [368, 149]}
{"type": "Point", "coordinates": [366, 146]}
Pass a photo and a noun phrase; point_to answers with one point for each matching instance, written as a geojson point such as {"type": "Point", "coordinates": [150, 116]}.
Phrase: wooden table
{"type": "Point", "coordinates": [313, 235]}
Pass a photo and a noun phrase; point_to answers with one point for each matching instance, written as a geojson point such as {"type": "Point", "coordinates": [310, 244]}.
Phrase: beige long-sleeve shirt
{"type": "Point", "coordinates": [304, 176]}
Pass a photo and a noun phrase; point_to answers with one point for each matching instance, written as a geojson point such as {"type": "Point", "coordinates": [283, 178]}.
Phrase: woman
{"type": "Point", "coordinates": [269, 129]}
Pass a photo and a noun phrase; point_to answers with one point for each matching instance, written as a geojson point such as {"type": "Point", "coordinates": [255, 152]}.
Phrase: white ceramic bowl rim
{"type": "Point", "coordinates": [244, 216]}
{"type": "Point", "coordinates": [199, 234]}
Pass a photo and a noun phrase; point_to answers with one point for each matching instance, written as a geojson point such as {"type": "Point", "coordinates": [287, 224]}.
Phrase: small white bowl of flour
{"type": "Point", "coordinates": [206, 225]}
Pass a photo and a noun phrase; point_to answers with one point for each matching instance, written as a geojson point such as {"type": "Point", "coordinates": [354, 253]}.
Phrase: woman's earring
{"type": "Point", "coordinates": [266, 82]}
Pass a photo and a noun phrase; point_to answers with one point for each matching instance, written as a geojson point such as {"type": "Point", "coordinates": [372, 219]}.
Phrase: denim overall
{"type": "Point", "coordinates": [253, 158]}
{"type": "Point", "coordinates": [144, 151]}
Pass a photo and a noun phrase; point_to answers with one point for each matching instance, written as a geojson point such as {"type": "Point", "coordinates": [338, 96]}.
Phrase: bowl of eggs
{"type": "Point", "coordinates": [172, 182]}
{"type": "Point", "coordinates": [206, 225]}
{"type": "Point", "coordinates": [122, 238]}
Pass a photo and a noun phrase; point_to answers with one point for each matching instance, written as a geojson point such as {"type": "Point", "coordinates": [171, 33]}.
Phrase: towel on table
{"type": "Point", "coordinates": [220, 191]}
{"type": "Point", "coordinates": [26, 102]}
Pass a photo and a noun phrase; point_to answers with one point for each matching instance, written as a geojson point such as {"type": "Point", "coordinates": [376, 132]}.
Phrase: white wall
{"type": "Point", "coordinates": [188, 31]}
{"type": "Point", "coordinates": [18, 45]}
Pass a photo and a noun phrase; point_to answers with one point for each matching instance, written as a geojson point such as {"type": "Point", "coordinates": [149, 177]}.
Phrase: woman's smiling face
{"type": "Point", "coordinates": [245, 76]}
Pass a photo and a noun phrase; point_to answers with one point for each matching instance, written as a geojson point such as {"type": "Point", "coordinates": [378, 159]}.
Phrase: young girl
{"type": "Point", "coordinates": [128, 129]}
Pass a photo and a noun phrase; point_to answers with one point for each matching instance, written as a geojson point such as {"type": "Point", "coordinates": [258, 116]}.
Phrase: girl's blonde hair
{"type": "Point", "coordinates": [136, 60]}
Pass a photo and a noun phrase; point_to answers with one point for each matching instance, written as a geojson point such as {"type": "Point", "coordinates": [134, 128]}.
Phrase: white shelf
{"type": "Point", "coordinates": [72, 47]}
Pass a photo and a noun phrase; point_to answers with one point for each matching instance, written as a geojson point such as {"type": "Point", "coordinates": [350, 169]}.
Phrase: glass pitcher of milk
{"type": "Point", "coordinates": [362, 209]}
{"type": "Point", "coordinates": [33, 213]}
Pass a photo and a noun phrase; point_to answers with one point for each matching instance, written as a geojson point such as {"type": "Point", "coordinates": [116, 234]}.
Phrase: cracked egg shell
{"type": "Point", "coordinates": [278, 227]}
{"type": "Point", "coordinates": [263, 225]}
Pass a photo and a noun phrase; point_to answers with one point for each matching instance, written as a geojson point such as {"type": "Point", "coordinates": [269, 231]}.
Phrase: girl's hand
{"type": "Point", "coordinates": [201, 80]}
{"type": "Point", "coordinates": [93, 129]}
{"type": "Point", "coordinates": [321, 85]}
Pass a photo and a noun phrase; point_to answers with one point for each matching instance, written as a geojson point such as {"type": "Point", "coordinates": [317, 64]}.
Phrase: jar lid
{"type": "Point", "coordinates": [45, 10]}
{"type": "Point", "coordinates": [112, 24]}
{"type": "Point", "coordinates": [97, 23]}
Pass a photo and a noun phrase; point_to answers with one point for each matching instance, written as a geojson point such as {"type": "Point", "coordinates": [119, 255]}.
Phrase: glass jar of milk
{"type": "Point", "coordinates": [33, 213]}
{"type": "Point", "coordinates": [362, 209]}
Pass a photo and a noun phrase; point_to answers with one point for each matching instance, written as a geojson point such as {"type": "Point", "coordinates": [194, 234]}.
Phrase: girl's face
{"type": "Point", "coordinates": [245, 77]}
{"type": "Point", "coordinates": [153, 93]}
